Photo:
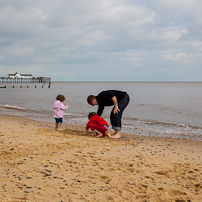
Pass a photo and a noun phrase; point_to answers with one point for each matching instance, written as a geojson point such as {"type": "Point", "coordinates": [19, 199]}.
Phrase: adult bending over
{"type": "Point", "coordinates": [115, 98]}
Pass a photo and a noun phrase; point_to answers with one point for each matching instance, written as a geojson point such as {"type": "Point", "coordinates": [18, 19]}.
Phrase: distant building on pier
{"type": "Point", "coordinates": [19, 76]}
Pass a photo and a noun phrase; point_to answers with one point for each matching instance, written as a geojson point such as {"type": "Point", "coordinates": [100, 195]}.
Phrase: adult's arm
{"type": "Point", "coordinates": [100, 110]}
{"type": "Point", "coordinates": [116, 107]}
{"type": "Point", "coordinates": [114, 100]}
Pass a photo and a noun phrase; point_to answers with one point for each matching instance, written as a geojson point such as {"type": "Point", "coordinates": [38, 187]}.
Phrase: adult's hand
{"type": "Point", "coordinates": [116, 109]}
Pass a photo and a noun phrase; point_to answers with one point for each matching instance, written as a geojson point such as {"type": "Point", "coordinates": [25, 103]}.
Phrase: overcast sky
{"type": "Point", "coordinates": [102, 40]}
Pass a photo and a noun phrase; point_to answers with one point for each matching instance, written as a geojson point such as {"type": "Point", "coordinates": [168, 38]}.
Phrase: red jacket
{"type": "Point", "coordinates": [96, 120]}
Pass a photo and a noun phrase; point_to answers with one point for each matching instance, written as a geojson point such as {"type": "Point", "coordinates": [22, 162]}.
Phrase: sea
{"type": "Point", "coordinates": [157, 109]}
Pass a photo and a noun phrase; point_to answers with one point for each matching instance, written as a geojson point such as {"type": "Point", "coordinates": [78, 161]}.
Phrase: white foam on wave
{"type": "Point", "coordinates": [163, 129]}
{"type": "Point", "coordinates": [80, 119]}
{"type": "Point", "coordinates": [70, 114]}
{"type": "Point", "coordinates": [13, 107]}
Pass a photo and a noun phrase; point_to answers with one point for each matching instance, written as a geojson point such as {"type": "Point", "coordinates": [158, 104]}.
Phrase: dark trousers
{"type": "Point", "coordinates": [116, 118]}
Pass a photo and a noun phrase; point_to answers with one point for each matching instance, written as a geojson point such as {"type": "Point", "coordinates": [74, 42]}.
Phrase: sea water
{"type": "Point", "coordinates": [162, 109]}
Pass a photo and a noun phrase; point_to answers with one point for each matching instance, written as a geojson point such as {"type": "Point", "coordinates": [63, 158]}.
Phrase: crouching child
{"type": "Point", "coordinates": [97, 124]}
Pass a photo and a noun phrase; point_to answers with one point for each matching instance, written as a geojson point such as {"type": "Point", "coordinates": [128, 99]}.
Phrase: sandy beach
{"type": "Point", "coordinates": [41, 164]}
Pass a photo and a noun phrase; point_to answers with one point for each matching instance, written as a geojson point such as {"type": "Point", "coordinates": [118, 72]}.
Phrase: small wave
{"type": "Point", "coordinates": [70, 114]}
{"type": "Point", "coordinates": [153, 123]}
{"type": "Point", "coordinates": [13, 107]}
{"type": "Point", "coordinates": [163, 129]}
{"type": "Point", "coordinates": [80, 119]}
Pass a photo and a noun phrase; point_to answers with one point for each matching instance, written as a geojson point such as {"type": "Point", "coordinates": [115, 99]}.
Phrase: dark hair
{"type": "Point", "coordinates": [90, 98]}
{"type": "Point", "coordinates": [61, 98]}
{"type": "Point", "coordinates": [91, 114]}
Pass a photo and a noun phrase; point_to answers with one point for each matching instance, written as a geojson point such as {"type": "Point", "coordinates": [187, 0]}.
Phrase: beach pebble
{"type": "Point", "coordinates": [47, 174]}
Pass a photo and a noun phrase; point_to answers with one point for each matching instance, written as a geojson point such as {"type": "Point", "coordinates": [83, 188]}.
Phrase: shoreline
{"type": "Point", "coordinates": [135, 129]}
{"type": "Point", "coordinates": [41, 164]}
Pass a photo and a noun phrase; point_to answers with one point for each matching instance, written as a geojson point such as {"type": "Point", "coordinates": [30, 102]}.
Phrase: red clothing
{"type": "Point", "coordinates": [98, 123]}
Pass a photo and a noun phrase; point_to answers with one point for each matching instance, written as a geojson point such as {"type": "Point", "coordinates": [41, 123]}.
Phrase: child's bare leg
{"type": "Point", "coordinates": [108, 134]}
{"type": "Point", "coordinates": [99, 133]}
{"type": "Point", "coordinates": [58, 127]}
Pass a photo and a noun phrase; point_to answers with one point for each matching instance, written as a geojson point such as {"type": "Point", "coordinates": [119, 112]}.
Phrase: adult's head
{"type": "Point", "coordinates": [91, 99]}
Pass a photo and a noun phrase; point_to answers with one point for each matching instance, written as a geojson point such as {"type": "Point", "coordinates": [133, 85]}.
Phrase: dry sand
{"type": "Point", "coordinates": [41, 164]}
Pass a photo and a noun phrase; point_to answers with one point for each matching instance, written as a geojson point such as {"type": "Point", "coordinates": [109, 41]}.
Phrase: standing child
{"type": "Point", "coordinates": [59, 108]}
{"type": "Point", "coordinates": [97, 124]}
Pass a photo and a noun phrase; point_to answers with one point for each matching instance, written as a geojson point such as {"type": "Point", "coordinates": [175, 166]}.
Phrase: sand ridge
{"type": "Point", "coordinates": [41, 164]}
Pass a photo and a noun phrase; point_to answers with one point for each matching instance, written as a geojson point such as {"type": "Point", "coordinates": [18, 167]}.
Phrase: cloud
{"type": "Point", "coordinates": [116, 39]}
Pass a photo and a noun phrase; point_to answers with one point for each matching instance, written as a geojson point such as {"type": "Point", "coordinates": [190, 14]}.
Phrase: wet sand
{"type": "Point", "coordinates": [41, 164]}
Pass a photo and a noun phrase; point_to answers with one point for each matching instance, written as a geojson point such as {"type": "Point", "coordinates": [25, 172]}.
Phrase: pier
{"type": "Point", "coordinates": [7, 81]}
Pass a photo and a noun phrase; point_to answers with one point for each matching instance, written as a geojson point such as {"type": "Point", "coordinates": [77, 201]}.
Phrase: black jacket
{"type": "Point", "coordinates": [104, 99]}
